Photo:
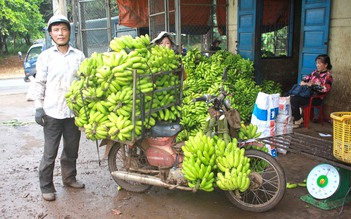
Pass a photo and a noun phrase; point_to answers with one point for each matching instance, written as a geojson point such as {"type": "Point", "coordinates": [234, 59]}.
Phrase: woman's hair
{"type": "Point", "coordinates": [325, 59]}
{"type": "Point", "coordinates": [161, 36]}
{"type": "Point", "coordinates": [165, 36]}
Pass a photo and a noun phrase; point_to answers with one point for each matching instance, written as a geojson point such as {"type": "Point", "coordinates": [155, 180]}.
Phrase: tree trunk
{"type": "Point", "coordinates": [14, 40]}
{"type": "Point", "coordinates": [4, 49]}
{"type": "Point", "coordinates": [1, 46]}
{"type": "Point", "coordinates": [5, 44]}
{"type": "Point", "coordinates": [27, 38]}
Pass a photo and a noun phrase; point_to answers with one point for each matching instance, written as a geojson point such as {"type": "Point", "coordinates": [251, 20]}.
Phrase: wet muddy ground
{"type": "Point", "coordinates": [21, 149]}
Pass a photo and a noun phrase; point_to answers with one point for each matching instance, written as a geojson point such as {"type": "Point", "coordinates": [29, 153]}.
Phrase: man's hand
{"type": "Point", "coordinates": [40, 116]}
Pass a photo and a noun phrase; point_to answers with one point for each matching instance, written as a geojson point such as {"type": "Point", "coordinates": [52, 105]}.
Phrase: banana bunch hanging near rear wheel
{"type": "Point", "coordinates": [248, 132]}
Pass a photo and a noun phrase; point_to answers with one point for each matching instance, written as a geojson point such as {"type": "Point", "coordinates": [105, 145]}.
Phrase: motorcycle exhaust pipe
{"type": "Point", "coordinates": [144, 179]}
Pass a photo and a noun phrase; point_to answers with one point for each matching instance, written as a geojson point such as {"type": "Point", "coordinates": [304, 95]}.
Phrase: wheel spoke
{"type": "Point", "coordinates": [268, 184]}
{"type": "Point", "coordinates": [124, 158]}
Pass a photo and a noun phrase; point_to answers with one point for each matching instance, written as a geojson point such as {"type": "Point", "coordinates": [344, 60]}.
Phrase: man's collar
{"type": "Point", "coordinates": [68, 50]}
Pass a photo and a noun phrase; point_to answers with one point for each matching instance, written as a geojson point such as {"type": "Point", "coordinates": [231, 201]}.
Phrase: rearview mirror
{"type": "Point", "coordinates": [20, 55]}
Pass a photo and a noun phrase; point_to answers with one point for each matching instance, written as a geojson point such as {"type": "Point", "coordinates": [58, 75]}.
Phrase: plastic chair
{"type": "Point", "coordinates": [308, 110]}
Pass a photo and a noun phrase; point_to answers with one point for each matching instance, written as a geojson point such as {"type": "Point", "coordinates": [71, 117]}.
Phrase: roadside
{"type": "Point", "coordinates": [11, 67]}
{"type": "Point", "coordinates": [21, 149]}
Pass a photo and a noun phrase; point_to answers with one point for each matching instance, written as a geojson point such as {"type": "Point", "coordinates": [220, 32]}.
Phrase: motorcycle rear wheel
{"type": "Point", "coordinates": [116, 162]}
{"type": "Point", "coordinates": [267, 184]}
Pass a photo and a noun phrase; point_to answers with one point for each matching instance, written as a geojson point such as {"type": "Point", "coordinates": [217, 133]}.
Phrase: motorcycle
{"type": "Point", "coordinates": [156, 160]}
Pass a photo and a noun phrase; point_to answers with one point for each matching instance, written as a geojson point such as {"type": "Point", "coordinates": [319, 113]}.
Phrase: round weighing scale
{"type": "Point", "coordinates": [323, 181]}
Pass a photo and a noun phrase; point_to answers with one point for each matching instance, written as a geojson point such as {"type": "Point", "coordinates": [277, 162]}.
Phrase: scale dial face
{"type": "Point", "coordinates": [323, 181]}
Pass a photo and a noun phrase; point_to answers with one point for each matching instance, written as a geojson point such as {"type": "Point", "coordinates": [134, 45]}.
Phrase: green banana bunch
{"type": "Point", "coordinates": [231, 180]}
{"type": "Point", "coordinates": [233, 166]}
{"type": "Point", "coordinates": [105, 87]}
{"type": "Point", "coordinates": [256, 146]}
{"type": "Point", "coordinates": [194, 116]}
{"type": "Point", "coordinates": [258, 165]}
{"type": "Point", "coordinates": [127, 42]}
{"type": "Point", "coordinates": [73, 97]}
{"type": "Point", "coordinates": [204, 76]}
{"type": "Point", "coordinates": [199, 161]}
{"type": "Point", "coordinates": [81, 117]}
{"type": "Point", "coordinates": [248, 132]}
{"type": "Point", "coordinates": [162, 59]}
{"type": "Point", "coordinates": [120, 127]}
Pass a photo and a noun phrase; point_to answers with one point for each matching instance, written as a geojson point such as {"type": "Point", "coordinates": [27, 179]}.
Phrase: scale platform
{"type": "Point", "coordinates": [328, 187]}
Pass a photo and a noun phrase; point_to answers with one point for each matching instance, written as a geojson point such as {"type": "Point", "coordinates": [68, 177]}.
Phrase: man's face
{"type": "Point", "coordinates": [60, 34]}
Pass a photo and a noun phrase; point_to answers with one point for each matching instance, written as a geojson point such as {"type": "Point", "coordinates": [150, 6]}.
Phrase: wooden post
{"type": "Point", "coordinates": [59, 7]}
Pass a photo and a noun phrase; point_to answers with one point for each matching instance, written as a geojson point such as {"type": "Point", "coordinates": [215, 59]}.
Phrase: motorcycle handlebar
{"type": "Point", "coordinates": [206, 98]}
{"type": "Point", "coordinates": [202, 98]}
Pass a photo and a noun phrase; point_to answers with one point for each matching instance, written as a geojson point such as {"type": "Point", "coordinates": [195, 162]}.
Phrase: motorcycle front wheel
{"type": "Point", "coordinates": [122, 156]}
{"type": "Point", "coordinates": [267, 184]}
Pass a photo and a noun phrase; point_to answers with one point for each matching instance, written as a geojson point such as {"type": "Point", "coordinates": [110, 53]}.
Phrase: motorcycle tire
{"type": "Point", "coordinates": [267, 184]}
{"type": "Point", "coordinates": [116, 160]}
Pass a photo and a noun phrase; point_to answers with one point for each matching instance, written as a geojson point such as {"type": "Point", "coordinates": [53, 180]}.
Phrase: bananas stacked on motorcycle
{"type": "Point", "coordinates": [102, 97]}
{"type": "Point", "coordinates": [248, 134]}
{"type": "Point", "coordinates": [204, 76]}
{"type": "Point", "coordinates": [199, 162]}
{"type": "Point", "coordinates": [210, 162]}
{"type": "Point", "coordinates": [233, 166]}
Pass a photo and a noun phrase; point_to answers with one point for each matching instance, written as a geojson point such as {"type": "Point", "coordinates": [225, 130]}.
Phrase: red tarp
{"type": "Point", "coordinates": [221, 15]}
{"type": "Point", "coordinates": [196, 17]}
{"type": "Point", "coordinates": [276, 14]}
{"type": "Point", "coordinates": [135, 13]}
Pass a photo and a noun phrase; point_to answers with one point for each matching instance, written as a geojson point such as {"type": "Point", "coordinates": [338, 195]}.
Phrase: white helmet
{"type": "Point", "coordinates": [161, 35]}
{"type": "Point", "coordinates": [58, 19]}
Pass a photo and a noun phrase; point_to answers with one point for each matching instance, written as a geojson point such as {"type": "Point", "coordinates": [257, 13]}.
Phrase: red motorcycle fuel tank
{"type": "Point", "coordinates": [160, 158]}
{"type": "Point", "coordinates": [159, 151]}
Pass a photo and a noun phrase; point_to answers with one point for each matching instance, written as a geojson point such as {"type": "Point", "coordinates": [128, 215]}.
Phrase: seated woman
{"type": "Point", "coordinates": [320, 79]}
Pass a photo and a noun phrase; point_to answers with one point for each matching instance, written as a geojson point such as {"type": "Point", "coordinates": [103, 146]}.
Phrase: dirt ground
{"type": "Point", "coordinates": [11, 67]}
{"type": "Point", "coordinates": [21, 147]}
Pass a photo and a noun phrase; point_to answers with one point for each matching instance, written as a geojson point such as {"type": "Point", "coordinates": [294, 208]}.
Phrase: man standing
{"type": "Point", "coordinates": [56, 69]}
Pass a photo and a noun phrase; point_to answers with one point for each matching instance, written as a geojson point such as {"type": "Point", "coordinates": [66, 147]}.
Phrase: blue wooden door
{"type": "Point", "coordinates": [246, 28]}
{"type": "Point", "coordinates": [314, 34]}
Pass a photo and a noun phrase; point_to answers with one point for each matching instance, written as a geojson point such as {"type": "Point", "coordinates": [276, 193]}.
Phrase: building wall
{"type": "Point", "coordinates": [340, 55]}
{"type": "Point", "coordinates": [232, 25]}
{"type": "Point", "coordinates": [339, 50]}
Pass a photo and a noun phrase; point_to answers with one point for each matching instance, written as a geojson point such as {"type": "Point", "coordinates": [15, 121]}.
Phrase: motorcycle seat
{"type": "Point", "coordinates": [165, 129]}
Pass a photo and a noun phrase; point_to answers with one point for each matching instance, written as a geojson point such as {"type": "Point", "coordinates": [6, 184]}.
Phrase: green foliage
{"type": "Point", "coordinates": [274, 43]}
{"type": "Point", "coordinates": [14, 49]}
{"type": "Point", "coordinates": [21, 19]}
